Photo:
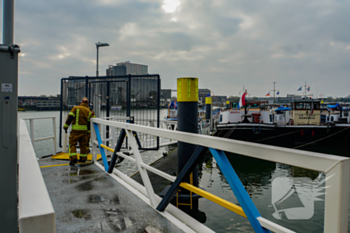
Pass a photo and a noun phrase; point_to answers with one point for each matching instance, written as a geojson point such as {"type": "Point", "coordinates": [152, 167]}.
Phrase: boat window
{"type": "Point", "coordinates": [271, 118]}
{"type": "Point", "coordinates": [327, 119]}
{"type": "Point", "coordinates": [317, 106]}
{"type": "Point", "coordinates": [332, 118]}
{"type": "Point", "coordinates": [302, 106]}
{"type": "Point", "coordinates": [346, 114]}
{"type": "Point", "coordinates": [220, 118]}
{"type": "Point", "coordinates": [299, 106]}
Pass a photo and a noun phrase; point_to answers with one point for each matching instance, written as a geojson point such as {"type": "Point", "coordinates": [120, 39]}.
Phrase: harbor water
{"type": "Point", "coordinates": [258, 177]}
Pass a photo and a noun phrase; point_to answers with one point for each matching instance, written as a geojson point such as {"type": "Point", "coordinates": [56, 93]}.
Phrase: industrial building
{"type": "Point", "coordinates": [39, 102]}
{"type": "Point", "coordinates": [165, 97]}
{"type": "Point", "coordinates": [125, 68]}
{"type": "Point", "coordinates": [202, 93]}
{"type": "Point", "coordinates": [219, 100]}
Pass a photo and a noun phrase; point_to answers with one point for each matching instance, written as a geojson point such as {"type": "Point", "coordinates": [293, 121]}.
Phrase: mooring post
{"type": "Point", "coordinates": [187, 99]}
{"type": "Point", "coordinates": [227, 104]}
{"type": "Point", "coordinates": [208, 108]}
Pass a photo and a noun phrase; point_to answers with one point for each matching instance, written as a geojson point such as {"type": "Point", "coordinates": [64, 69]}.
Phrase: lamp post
{"type": "Point", "coordinates": [99, 44]}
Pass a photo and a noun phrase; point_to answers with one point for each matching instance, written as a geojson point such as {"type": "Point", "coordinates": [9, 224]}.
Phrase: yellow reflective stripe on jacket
{"type": "Point", "coordinates": [89, 116]}
{"type": "Point", "coordinates": [76, 126]}
{"type": "Point", "coordinates": [71, 113]}
{"type": "Point", "coordinates": [65, 125]}
{"type": "Point", "coordinates": [79, 127]}
{"type": "Point", "coordinates": [77, 118]}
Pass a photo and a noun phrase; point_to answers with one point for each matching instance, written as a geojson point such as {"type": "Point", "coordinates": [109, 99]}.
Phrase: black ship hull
{"type": "Point", "coordinates": [331, 139]}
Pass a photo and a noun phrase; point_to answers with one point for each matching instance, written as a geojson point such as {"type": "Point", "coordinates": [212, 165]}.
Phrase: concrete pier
{"type": "Point", "coordinates": [89, 200]}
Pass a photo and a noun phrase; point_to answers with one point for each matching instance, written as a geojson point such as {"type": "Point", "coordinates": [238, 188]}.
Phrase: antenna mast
{"type": "Point", "coordinates": [274, 92]}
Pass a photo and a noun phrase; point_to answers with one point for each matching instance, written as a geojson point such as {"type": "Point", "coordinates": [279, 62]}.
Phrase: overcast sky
{"type": "Point", "coordinates": [227, 44]}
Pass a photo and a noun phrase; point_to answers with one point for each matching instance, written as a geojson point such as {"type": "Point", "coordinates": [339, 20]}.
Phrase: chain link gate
{"type": "Point", "coordinates": [135, 96]}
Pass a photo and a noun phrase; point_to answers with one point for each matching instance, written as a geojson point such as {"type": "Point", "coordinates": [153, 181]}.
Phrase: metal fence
{"type": "Point", "coordinates": [136, 96]}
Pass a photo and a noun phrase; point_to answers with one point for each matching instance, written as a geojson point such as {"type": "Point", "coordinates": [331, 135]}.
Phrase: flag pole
{"type": "Point", "coordinates": [274, 99]}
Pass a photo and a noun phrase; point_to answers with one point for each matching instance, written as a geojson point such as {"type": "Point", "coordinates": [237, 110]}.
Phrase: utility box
{"type": "Point", "coordinates": [8, 138]}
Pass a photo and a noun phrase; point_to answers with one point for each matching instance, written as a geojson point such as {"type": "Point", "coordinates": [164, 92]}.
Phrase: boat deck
{"type": "Point", "coordinates": [89, 200]}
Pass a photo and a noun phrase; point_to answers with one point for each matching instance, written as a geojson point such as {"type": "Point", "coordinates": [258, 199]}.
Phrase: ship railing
{"type": "Point", "coordinates": [336, 171]}
{"type": "Point", "coordinates": [33, 139]}
{"type": "Point", "coordinates": [35, 210]}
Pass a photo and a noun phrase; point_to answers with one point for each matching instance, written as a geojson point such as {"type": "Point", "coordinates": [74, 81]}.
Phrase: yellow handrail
{"type": "Point", "coordinates": [107, 148]}
{"type": "Point", "coordinates": [226, 204]}
{"type": "Point", "coordinates": [211, 197]}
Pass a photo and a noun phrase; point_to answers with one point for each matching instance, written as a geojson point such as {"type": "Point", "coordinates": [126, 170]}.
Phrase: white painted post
{"type": "Point", "coordinates": [64, 139]}
{"type": "Point", "coordinates": [32, 131]}
{"type": "Point", "coordinates": [54, 135]}
{"type": "Point", "coordinates": [143, 171]}
{"type": "Point", "coordinates": [93, 139]}
{"type": "Point", "coordinates": [337, 198]}
{"type": "Point", "coordinates": [113, 136]}
{"type": "Point", "coordinates": [104, 135]}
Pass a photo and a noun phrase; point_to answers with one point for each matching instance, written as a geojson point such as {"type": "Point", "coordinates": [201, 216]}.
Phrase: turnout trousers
{"type": "Point", "coordinates": [80, 136]}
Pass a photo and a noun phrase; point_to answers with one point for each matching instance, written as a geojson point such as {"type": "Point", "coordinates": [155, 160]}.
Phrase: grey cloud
{"type": "Point", "coordinates": [285, 41]}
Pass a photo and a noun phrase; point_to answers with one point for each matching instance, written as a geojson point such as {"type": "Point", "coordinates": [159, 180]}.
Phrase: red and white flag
{"type": "Point", "coordinates": [241, 102]}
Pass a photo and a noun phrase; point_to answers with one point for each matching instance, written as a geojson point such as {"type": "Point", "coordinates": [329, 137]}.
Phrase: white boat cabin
{"type": "Point", "coordinates": [306, 112]}
{"type": "Point", "coordinates": [336, 114]}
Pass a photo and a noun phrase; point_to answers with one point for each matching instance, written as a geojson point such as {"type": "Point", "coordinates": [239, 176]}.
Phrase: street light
{"type": "Point", "coordinates": [97, 46]}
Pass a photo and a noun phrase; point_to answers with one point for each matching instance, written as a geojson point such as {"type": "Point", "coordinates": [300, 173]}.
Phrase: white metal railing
{"type": "Point", "coordinates": [164, 124]}
{"type": "Point", "coordinates": [336, 168]}
{"type": "Point", "coordinates": [33, 139]}
{"type": "Point", "coordinates": [36, 213]}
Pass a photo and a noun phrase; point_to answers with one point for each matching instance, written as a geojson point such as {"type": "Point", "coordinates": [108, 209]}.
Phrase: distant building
{"type": "Point", "coordinates": [219, 100]}
{"type": "Point", "coordinates": [294, 97]}
{"type": "Point", "coordinates": [165, 97]}
{"type": "Point", "coordinates": [202, 93]}
{"type": "Point", "coordinates": [125, 68]}
{"type": "Point", "coordinates": [39, 102]}
{"type": "Point", "coordinates": [116, 70]}
{"type": "Point", "coordinates": [280, 99]}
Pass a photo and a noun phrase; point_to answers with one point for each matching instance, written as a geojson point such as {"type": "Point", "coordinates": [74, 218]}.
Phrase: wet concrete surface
{"type": "Point", "coordinates": [88, 200]}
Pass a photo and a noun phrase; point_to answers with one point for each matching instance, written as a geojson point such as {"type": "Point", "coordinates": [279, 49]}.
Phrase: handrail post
{"type": "Point", "coordinates": [64, 135]}
{"type": "Point", "coordinates": [143, 172]}
{"type": "Point", "coordinates": [112, 129]}
{"type": "Point", "coordinates": [54, 135]}
{"type": "Point", "coordinates": [93, 139]}
{"type": "Point", "coordinates": [32, 131]}
{"type": "Point", "coordinates": [337, 198]}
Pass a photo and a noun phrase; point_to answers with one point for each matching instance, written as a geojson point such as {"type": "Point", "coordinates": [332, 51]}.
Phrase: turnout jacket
{"type": "Point", "coordinates": [79, 117]}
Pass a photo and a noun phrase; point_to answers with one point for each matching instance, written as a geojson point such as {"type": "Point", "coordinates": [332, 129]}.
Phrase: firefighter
{"type": "Point", "coordinates": [79, 117]}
